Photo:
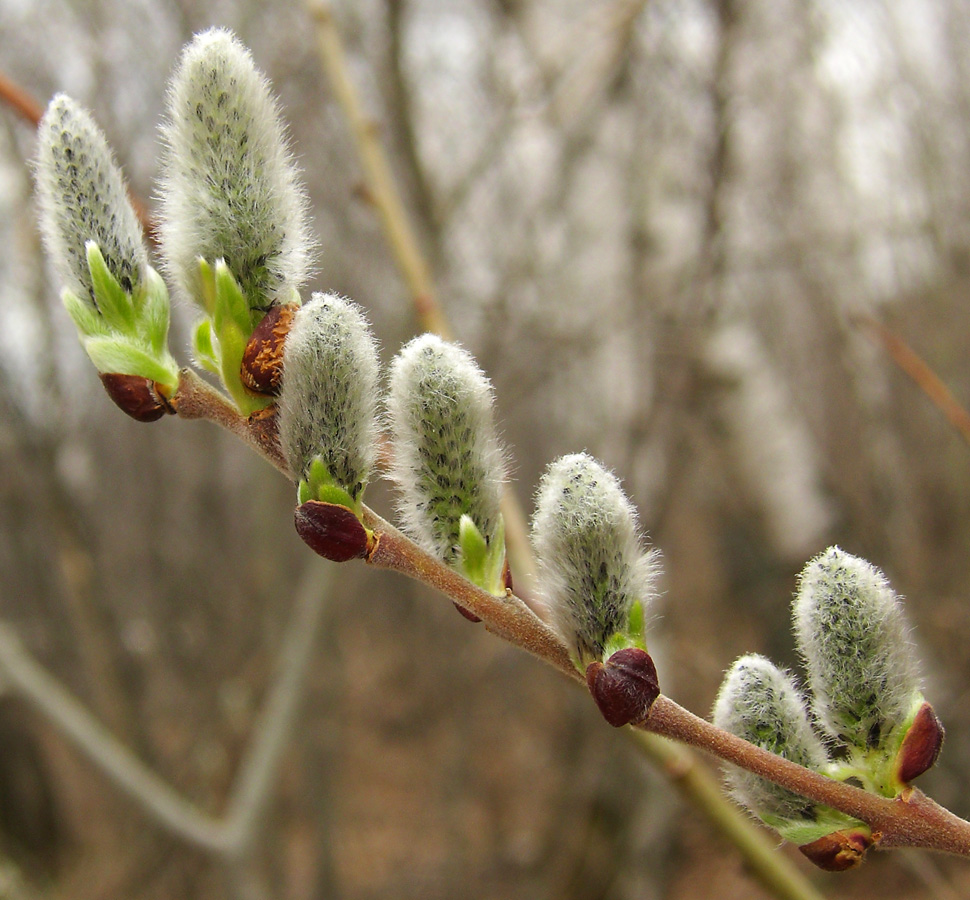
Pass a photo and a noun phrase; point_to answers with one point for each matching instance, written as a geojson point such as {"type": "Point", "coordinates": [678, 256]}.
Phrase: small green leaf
{"type": "Point", "coordinates": [153, 306]}
{"type": "Point", "coordinates": [480, 562]}
{"type": "Point", "coordinates": [86, 318]}
{"type": "Point", "coordinates": [319, 485]}
{"type": "Point", "coordinates": [230, 303]}
{"type": "Point", "coordinates": [207, 285]}
{"type": "Point", "coordinates": [823, 820]}
{"type": "Point", "coordinates": [113, 302]}
{"type": "Point", "coordinates": [202, 347]}
{"type": "Point", "coordinates": [116, 355]}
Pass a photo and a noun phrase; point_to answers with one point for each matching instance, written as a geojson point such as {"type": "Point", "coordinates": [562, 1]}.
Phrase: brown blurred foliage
{"type": "Point", "coordinates": [654, 224]}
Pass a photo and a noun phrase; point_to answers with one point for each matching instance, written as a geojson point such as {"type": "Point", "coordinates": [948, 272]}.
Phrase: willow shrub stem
{"type": "Point", "coordinates": [913, 820]}
{"type": "Point", "coordinates": [512, 620]}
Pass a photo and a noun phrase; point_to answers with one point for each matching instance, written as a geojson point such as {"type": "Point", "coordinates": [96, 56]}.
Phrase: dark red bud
{"type": "Point", "coordinates": [921, 746]}
{"type": "Point", "coordinates": [262, 363]}
{"type": "Point", "coordinates": [467, 613]}
{"type": "Point", "coordinates": [625, 686]}
{"type": "Point", "coordinates": [331, 530]}
{"type": "Point", "coordinates": [139, 397]}
{"type": "Point", "coordinates": [838, 851]}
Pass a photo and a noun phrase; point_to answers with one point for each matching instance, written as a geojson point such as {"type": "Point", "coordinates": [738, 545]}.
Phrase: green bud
{"type": "Point", "coordinates": [82, 198]}
{"type": "Point", "coordinates": [595, 577]}
{"type": "Point", "coordinates": [328, 401]}
{"type": "Point", "coordinates": [230, 189]}
{"type": "Point", "coordinates": [861, 666]}
{"type": "Point", "coordinates": [447, 461]}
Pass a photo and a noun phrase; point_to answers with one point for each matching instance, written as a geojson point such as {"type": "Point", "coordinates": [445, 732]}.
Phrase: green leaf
{"type": "Point", "coordinates": [113, 302]}
{"type": "Point", "coordinates": [481, 562]}
{"type": "Point", "coordinates": [153, 307]}
{"type": "Point", "coordinates": [207, 286]}
{"type": "Point", "coordinates": [86, 318]}
{"type": "Point", "coordinates": [319, 485]}
{"type": "Point", "coordinates": [231, 305]}
{"type": "Point", "coordinates": [116, 355]}
{"type": "Point", "coordinates": [205, 353]}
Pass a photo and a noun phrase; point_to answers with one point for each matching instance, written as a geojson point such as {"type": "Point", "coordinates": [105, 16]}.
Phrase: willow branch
{"type": "Point", "coordinates": [508, 617]}
{"type": "Point", "coordinates": [910, 820]}
{"type": "Point", "coordinates": [511, 619]}
{"type": "Point", "coordinates": [197, 399]}
{"type": "Point", "coordinates": [21, 102]}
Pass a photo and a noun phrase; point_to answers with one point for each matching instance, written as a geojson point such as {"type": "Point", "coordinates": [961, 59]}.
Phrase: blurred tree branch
{"type": "Point", "coordinates": [231, 836]}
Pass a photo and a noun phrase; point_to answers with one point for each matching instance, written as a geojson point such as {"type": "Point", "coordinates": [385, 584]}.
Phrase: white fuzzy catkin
{"type": "Point", "coordinates": [328, 398]}
{"type": "Point", "coordinates": [82, 198]}
{"type": "Point", "coordinates": [447, 461]}
{"type": "Point", "coordinates": [861, 666]}
{"type": "Point", "coordinates": [230, 189]}
{"type": "Point", "coordinates": [759, 702]}
{"type": "Point", "coordinates": [592, 567]}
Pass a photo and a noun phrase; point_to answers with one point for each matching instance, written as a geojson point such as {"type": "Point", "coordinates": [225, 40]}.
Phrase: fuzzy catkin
{"type": "Point", "coordinates": [850, 630]}
{"type": "Point", "coordinates": [447, 461]}
{"type": "Point", "coordinates": [328, 398]}
{"type": "Point", "coordinates": [759, 702]}
{"type": "Point", "coordinates": [82, 198]}
{"type": "Point", "coordinates": [230, 188]}
{"type": "Point", "coordinates": [592, 568]}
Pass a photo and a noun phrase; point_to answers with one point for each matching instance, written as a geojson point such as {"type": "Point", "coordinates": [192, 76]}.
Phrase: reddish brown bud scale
{"type": "Point", "coordinates": [262, 364]}
{"type": "Point", "coordinates": [139, 397]}
{"type": "Point", "coordinates": [838, 851]}
{"type": "Point", "coordinates": [331, 531]}
{"type": "Point", "coordinates": [468, 614]}
{"type": "Point", "coordinates": [264, 425]}
{"type": "Point", "coordinates": [921, 746]}
{"type": "Point", "coordinates": [625, 686]}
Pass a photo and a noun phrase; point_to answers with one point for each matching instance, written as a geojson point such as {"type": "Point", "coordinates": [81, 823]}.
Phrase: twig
{"type": "Point", "coordinates": [926, 379]}
{"type": "Point", "coordinates": [231, 836]}
{"type": "Point", "coordinates": [274, 728]}
{"type": "Point", "coordinates": [14, 96]}
{"type": "Point", "coordinates": [197, 399]}
{"type": "Point", "coordinates": [508, 617]}
{"type": "Point", "coordinates": [911, 820]}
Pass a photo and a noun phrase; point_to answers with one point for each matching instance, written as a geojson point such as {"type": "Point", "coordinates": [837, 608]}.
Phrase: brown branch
{"type": "Point", "coordinates": [197, 399]}
{"type": "Point", "coordinates": [508, 617]}
{"type": "Point", "coordinates": [911, 820]}
{"type": "Point", "coordinates": [14, 96]}
{"type": "Point", "coordinates": [925, 378]}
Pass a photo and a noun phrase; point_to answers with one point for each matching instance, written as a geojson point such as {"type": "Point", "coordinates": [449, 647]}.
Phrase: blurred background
{"type": "Point", "coordinates": [659, 225]}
